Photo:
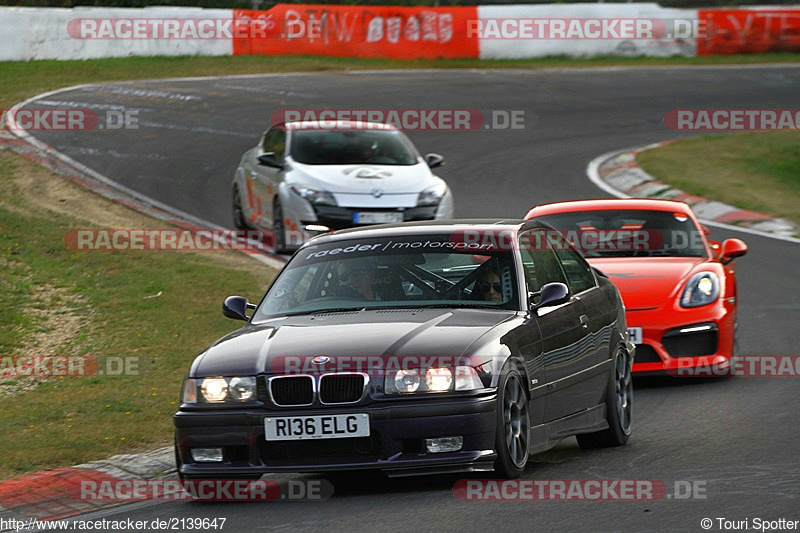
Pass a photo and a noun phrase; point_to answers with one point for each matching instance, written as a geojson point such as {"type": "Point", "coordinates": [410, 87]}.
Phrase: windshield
{"type": "Point", "coordinates": [630, 233]}
{"type": "Point", "coordinates": [329, 147]}
{"type": "Point", "coordinates": [417, 271]}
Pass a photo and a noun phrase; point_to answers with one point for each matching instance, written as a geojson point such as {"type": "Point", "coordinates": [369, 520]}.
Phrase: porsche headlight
{"type": "Point", "coordinates": [702, 289]}
{"type": "Point", "coordinates": [219, 389]}
{"type": "Point", "coordinates": [313, 195]}
{"type": "Point", "coordinates": [432, 195]}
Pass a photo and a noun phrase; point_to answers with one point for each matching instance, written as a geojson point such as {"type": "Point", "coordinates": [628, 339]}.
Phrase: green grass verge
{"type": "Point", "coordinates": [59, 301]}
{"type": "Point", "coordinates": [20, 80]}
{"type": "Point", "coordinates": [758, 171]}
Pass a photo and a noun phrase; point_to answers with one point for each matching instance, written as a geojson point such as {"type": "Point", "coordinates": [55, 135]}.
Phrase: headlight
{"type": "Point", "coordinates": [406, 381]}
{"type": "Point", "coordinates": [218, 389]}
{"type": "Point", "coordinates": [432, 195]}
{"type": "Point", "coordinates": [242, 389]}
{"type": "Point", "coordinates": [702, 289]}
{"type": "Point", "coordinates": [436, 379]}
{"type": "Point", "coordinates": [214, 389]}
{"type": "Point", "coordinates": [313, 195]}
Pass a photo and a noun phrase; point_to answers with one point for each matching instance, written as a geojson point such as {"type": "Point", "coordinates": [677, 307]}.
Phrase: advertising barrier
{"type": "Point", "coordinates": [394, 32]}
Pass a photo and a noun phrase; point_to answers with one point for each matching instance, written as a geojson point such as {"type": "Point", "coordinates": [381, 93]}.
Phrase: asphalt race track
{"type": "Point", "coordinates": [739, 436]}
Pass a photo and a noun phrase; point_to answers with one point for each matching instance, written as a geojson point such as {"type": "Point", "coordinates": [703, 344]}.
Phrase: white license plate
{"type": "Point", "coordinates": [635, 335]}
{"type": "Point", "coordinates": [317, 427]}
{"type": "Point", "coordinates": [377, 218]}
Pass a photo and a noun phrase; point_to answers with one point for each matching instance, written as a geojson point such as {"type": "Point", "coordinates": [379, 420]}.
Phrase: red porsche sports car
{"type": "Point", "coordinates": [678, 287]}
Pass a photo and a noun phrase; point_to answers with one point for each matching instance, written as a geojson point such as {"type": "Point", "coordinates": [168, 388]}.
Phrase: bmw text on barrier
{"type": "Point", "coordinates": [306, 178]}
{"type": "Point", "coordinates": [403, 349]}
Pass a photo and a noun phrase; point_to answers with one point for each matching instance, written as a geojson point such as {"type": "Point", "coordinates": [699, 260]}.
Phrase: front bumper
{"type": "Point", "coordinates": [395, 445]}
{"type": "Point", "coordinates": [675, 338]}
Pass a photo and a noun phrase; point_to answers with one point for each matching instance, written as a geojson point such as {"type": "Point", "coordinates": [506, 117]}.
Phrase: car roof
{"type": "Point", "coordinates": [428, 227]}
{"type": "Point", "coordinates": [604, 204]}
{"type": "Point", "coordinates": [334, 125]}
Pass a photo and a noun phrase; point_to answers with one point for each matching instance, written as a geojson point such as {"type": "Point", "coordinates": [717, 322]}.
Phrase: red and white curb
{"type": "Point", "coordinates": [618, 174]}
{"type": "Point", "coordinates": [49, 495]}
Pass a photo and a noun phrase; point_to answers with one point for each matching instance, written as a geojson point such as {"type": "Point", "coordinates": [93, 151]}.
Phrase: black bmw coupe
{"type": "Point", "coordinates": [415, 348]}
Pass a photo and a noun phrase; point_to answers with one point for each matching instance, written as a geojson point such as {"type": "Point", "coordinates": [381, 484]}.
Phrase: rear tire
{"type": "Point", "coordinates": [619, 407]}
{"type": "Point", "coordinates": [513, 433]}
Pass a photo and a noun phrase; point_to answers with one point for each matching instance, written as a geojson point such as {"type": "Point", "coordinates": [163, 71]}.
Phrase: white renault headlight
{"type": "Point", "coordinates": [432, 195]}
{"type": "Point", "coordinates": [702, 289]}
{"type": "Point", "coordinates": [313, 195]}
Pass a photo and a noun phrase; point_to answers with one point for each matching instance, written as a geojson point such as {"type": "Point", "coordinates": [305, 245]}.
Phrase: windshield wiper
{"type": "Point", "coordinates": [323, 311]}
{"type": "Point", "coordinates": [461, 305]}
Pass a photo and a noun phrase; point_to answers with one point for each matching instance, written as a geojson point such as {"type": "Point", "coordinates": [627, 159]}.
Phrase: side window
{"type": "Point", "coordinates": [266, 141]}
{"type": "Point", "coordinates": [275, 141]}
{"type": "Point", "coordinates": [538, 260]}
{"type": "Point", "coordinates": [579, 273]}
{"type": "Point", "coordinates": [279, 144]}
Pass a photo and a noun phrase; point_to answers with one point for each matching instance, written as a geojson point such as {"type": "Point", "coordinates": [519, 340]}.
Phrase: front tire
{"type": "Point", "coordinates": [513, 434]}
{"type": "Point", "coordinates": [619, 407]}
{"type": "Point", "coordinates": [239, 221]}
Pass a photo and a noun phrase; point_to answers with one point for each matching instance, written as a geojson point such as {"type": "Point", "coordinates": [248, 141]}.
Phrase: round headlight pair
{"type": "Point", "coordinates": [217, 389]}
{"type": "Point", "coordinates": [437, 379]}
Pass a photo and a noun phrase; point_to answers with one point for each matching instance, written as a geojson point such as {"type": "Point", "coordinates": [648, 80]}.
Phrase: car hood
{"type": "Point", "coordinates": [365, 179]}
{"type": "Point", "coordinates": [646, 283]}
{"type": "Point", "coordinates": [264, 348]}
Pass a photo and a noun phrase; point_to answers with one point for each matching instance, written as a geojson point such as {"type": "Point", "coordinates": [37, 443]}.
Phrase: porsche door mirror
{"type": "Point", "coordinates": [731, 249]}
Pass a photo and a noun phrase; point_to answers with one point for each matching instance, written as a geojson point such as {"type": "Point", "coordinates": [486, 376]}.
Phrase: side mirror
{"type": "Point", "coordinates": [550, 295]}
{"type": "Point", "coordinates": [236, 307]}
{"type": "Point", "coordinates": [434, 160]}
{"type": "Point", "coordinates": [731, 249]}
{"type": "Point", "coordinates": [269, 160]}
